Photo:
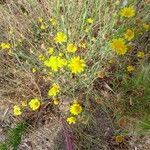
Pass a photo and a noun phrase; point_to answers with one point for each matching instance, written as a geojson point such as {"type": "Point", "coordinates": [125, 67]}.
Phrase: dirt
{"type": "Point", "coordinates": [44, 137]}
{"type": "Point", "coordinates": [96, 135]}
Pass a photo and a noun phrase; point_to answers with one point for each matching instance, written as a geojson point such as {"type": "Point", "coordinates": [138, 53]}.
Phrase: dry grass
{"type": "Point", "coordinates": [114, 101]}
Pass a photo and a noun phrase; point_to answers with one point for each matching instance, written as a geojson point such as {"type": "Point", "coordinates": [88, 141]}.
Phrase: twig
{"type": "Point", "coordinates": [67, 137]}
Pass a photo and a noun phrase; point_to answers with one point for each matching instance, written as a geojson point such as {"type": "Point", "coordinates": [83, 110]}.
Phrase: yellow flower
{"type": "Point", "coordinates": [60, 37]}
{"type": "Point", "coordinates": [118, 45]}
{"type": "Point", "coordinates": [119, 139]}
{"type": "Point", "coordinates": [34, 70]}
{"type": "Point", "coordinates": [146, 26]}
{"type": "Point", "coordinates": [127, 12]}
{"type": "Point", "coordinates": [130, 68]}
{"type": "Point", "coordinates": [71, 48]}
{"type": "Point", "coordinates": [34, 104]}
{"type": "Point", "coordinates": [42, 27]}
{"type": "Point", "coordinates": [82, 45]}
{"type": "Point", "coordinates": [41, 19]}
{"type": "Point", "coordinates": [61, 62]}
{"type": "Point", "coordinates": [5, 45]}
{"type": "Point", "coordinates": [50, 50]}
{"type": "Point", "coordinates": [10, 32]}
{"type": "Point", "coordinates": [71, 120]}
{"type": "Point", "coordinates": [55, 62]}
{"type": "Point", "coordinates": [56, 101]}
{"type": "Point", "coordinates": [53, 21]}
{"type": "Point", "coordinates": [90, 20]}
{"type": "Point", "coordinates": [87, 30]}
{"type": "Point", "coordinates": [17, 110]}
{"type": "Point", "coordinates": [75, 109]}
{"type": "Point", "coordinates": [140, 54]}
{"type": "Point", "coordinates": [54, 90]}
{"type": "Point", "coordinates": [52, 62]}
{"type": "Point", "coordinates": [129, 35]}
{"type": "Point", "coordinates": [41, 57]}
{"type": "Point", "coordinates": [76, 65]}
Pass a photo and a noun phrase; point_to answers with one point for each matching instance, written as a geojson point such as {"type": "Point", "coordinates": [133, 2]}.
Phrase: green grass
{"type": "Point", "coordinates": [13, 137]}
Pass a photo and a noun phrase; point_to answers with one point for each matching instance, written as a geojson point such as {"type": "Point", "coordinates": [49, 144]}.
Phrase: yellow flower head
{"type": "Point", "coordinates": [56, 101]}
{"type": "Point", "coordinates": [90, 20]}
{"type": "Point", "coordinates": [127, 12]}
{"type": "Point", "coordinates": [50, 50]}
{"type": "Point", "coordinates": [140, 54]}
{"type": "Point", "coordinates": [119, 139]}
{"type": "Point", "coordinates": [34, 104]}
{"type": "Point", "coordinates": [71, 48]}
{"type": "Point", "coordinates": [34, 70]}
{"type": "Point", "coordinates": [71, 120]}
{"type": "Point", "coordinates": [41, 57]}
{"type": "Point", "coordinates": [60, 37]}
{"type": "Point", "coordinates": [53, 21]}
{"type": "Point", "coordinates": [75, 109]}
{"type": "Point", "coordinates": [82, 45]}
{"type": "Point", "coordinates": [10, 32]}
{"type": "Point", "coordinates": [55, 62]}
{"type": "Point", "coordinates": [61, 62]}
{"type": "Point", "coordinates": [17, 110]}
{"type": "Point", "coordinates": [54, 90]}
{"type": "Point", "coordinates": [76, 65]}
{"type": "Point", "coordinates": [129, 35]}
{"type": "Point", "coordinates": [118, 45]}
{"type": "Point", "coordinates": [87, 30]}
{"type": "Point", "coordinates": [42, 27]}
{"type": "Point", "coordinates": [5, 45]}
{"type": "Point", "coordinates": [41, 19]}
{"type": "Point", "coordinates": [130, 68]}
{"type": "Point", "coordinates": [146, 26]}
